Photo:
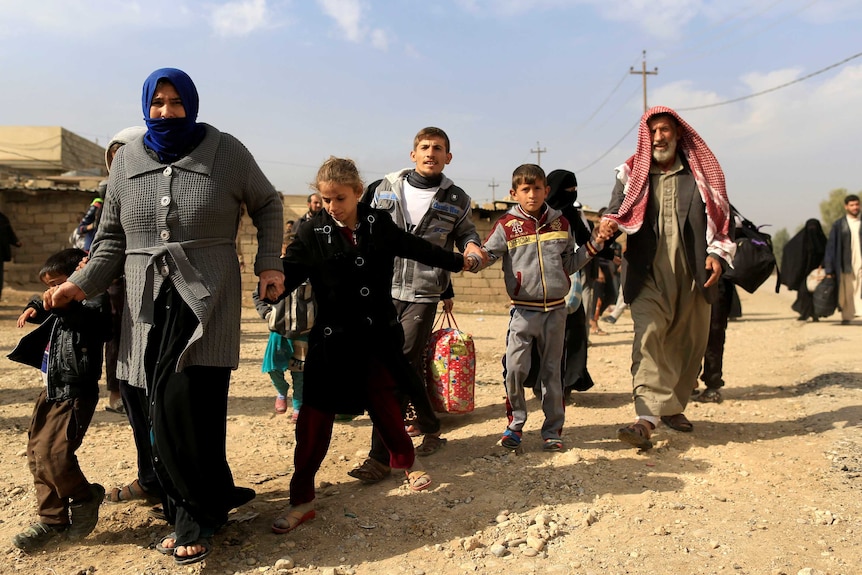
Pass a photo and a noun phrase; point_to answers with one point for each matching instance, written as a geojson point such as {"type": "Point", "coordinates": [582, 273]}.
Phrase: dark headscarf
{"type": "Point", "coordinates": [802, 254]}
{"type": "Point", "coordinates": [560, 198]}
{"type": "Point", "coordinates": [172, 138]}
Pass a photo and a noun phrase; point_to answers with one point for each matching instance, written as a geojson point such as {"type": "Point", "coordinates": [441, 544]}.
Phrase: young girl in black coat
{"type": "Point", "coordinates": [355, 361]}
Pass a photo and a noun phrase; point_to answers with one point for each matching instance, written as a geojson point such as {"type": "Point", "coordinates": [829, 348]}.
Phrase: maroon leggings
{"type": "Point", "coordinates": [314, 432]}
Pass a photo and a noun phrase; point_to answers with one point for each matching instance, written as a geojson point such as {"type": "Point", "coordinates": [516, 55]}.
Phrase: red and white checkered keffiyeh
{"type": "Point", "coordinates": [634, 174]}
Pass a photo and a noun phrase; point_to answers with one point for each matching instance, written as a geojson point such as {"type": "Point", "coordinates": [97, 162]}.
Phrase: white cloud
{"type": "Point", "coordinates": [239, 18]}
{"type": "Point", "coordinates": [349, 16]}
{"type": "Point", "coordinates": [379, 39]}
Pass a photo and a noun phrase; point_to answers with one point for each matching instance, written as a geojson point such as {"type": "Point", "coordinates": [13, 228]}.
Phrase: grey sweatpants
{"type": "Point", "coordinates": [547, 329]}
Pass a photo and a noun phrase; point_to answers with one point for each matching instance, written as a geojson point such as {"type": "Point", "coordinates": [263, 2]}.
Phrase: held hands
{"type": "Point", "coordinates": [271, 285]}
{"type": "Point", "coordinates": [472, 263]}
{"type": "Point", "coordinates": [475, 250]}
{"type": "Point", "coordinates": [22, 319]}
{"type": "Point", "coordinates": [62, 295]}
{"type": "Point", "coordinates": [713, 266]}
{"type": "Point", "coordinates": [606, 229]}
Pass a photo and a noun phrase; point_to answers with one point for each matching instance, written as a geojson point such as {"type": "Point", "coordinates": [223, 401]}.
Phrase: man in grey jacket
{"type": "Point", "coordinates": [426, 203]}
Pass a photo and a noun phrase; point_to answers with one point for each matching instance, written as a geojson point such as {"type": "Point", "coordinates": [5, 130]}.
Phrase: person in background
{"type": "Point", "coordinates": [670, 199]}
{"type": "Point", "coordinates": [117, 295]}
{"type": "Point", "coordinates": [563, 196]}
{"type": "Point", "coordinates": [7, 240]}
{"type": "Point", "coordinates": [315, 204]}
{"type": "Point", "coordinates": [67, 348]}
{"type": "Point", "coordinates": [803, 253]}
{"type": "Point", "coordinates": [169, 223]}
{"type": "Point", "coordinates": [843, 258]}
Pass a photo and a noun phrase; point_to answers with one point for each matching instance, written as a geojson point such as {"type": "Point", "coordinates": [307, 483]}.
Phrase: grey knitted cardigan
{"type": "Point", "coordinates": [179, 221]}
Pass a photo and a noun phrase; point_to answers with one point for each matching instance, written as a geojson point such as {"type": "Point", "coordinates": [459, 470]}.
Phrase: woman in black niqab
{"type": "Point", "coordinates": [802, 254]}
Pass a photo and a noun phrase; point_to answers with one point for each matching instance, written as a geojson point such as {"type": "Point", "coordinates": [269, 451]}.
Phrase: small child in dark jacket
{"type": "Point", "coordinates": [67, 349]}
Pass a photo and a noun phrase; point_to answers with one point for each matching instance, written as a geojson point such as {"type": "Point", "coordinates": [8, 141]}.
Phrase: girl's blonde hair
{"type": "Point", "coordinates": [342, 171]}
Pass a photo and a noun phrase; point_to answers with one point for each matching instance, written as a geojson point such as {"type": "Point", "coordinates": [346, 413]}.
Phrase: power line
{"type": "Point", "coordinates": [611, 149]}
{"type": "Point", "coordinates": [761, 93]}
{"type": "Point", "coordinates": [775, 88]}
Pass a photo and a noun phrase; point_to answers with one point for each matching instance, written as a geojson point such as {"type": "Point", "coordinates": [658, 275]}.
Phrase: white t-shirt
{"type": "Point", "coordinates": [416, 203]}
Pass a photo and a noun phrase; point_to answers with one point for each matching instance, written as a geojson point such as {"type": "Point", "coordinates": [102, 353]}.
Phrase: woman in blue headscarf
{"type": "Point", "coordinates": [169, 222]}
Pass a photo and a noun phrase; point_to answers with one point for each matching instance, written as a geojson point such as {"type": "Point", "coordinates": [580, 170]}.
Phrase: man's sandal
{"type": "Point", "coordinates": [636, 434]}
{"type": "Point", "coordinates": [679, 422]}
{"type": "Point", "coordinates": [131, 492]}
{"type": "Point", "coordinates": [430, 445]}
{"type": "Point", "coordinates": [418, 480]}
{"type": "Point", "coordinates": [37, 535]}
{"type": "Point", "coordinates": [371, 471]}
{"type": "Point", "coordinates": [291, 520]}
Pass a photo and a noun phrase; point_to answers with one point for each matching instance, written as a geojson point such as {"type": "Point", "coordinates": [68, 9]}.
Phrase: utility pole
{"type": "Point", "coordinates": [493, 185]}
{"type": "Point", "coordinates": [643, 72]}
{"type": "Point", "coordinates": [538, 151]}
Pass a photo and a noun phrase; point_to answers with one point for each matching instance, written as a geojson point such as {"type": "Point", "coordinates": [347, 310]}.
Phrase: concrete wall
{"type": "Point", "coordinates": [32, 151]}
{"type": "Point", "coordinates": [43, 219]}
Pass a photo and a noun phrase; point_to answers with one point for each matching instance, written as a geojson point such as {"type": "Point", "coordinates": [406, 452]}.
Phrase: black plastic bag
{"type": "Point", "coordinates": [754, 261]}
{"type": "Point", "coordinates": [825, 297]}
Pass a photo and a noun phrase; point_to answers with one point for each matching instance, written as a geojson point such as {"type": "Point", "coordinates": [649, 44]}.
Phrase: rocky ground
{"type": "Point", "coordinates": [768, 483]}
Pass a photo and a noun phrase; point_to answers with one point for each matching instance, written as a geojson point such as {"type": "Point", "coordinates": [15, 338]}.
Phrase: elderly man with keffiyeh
{"type": "Point", "coordinates": [670, 199]}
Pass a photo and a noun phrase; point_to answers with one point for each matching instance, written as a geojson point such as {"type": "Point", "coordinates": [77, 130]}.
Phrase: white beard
{"type": "Point", "coordinates": [665, 156]}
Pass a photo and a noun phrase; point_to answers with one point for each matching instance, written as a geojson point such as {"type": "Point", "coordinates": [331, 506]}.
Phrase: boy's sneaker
{"type": "Point", "coordinates": [37, 535]}
{"type": "Point", "coordinates": [511, 439]}
{"type": "Point", "coordinates": [280, 404]}
{"type": "Point", "coordinates": [84, 515]}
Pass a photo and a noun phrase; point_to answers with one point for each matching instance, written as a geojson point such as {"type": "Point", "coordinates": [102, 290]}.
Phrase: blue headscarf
{"type": "Point", "coordinates": [172, 138]}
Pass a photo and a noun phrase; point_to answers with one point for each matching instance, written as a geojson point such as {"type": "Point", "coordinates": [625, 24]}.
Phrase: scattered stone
{"type": "Point", "coordinates": [529, 552]}
{"type": "Point", "coordinates": [285, 563]}
{"type": "Point", "coordinates": [498, 550]}
{"type": "Point", "coordinates": [471, 543]}
{"type": "Point", "coordinates": [536, 543]}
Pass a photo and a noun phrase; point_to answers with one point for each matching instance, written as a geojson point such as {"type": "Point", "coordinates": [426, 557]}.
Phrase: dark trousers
{"type": "Point", "coordinates": [138, 412]}
{"type": "Point", "coordinates": [56, 432]}
{"type": "Point", "coordinates": [713, 357]}
{"type": "Point", "coordinates": [314, 432]}
{"type": "Point", "coordinates": [188, 414]}
{"type": "Point", "coordinates": [417, 320]}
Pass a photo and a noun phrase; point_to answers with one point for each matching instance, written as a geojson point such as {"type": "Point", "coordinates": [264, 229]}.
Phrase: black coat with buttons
{"type": "Point", "coordinates": [356, 323]}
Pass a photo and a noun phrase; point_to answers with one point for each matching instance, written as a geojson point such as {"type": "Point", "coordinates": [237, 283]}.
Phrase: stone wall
{"type": "Point", "coordinates": [43, 219]}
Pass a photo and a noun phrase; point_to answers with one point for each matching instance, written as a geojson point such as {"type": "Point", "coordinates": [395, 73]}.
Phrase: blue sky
{"type": "Point", "coordinates": [298, 81]}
